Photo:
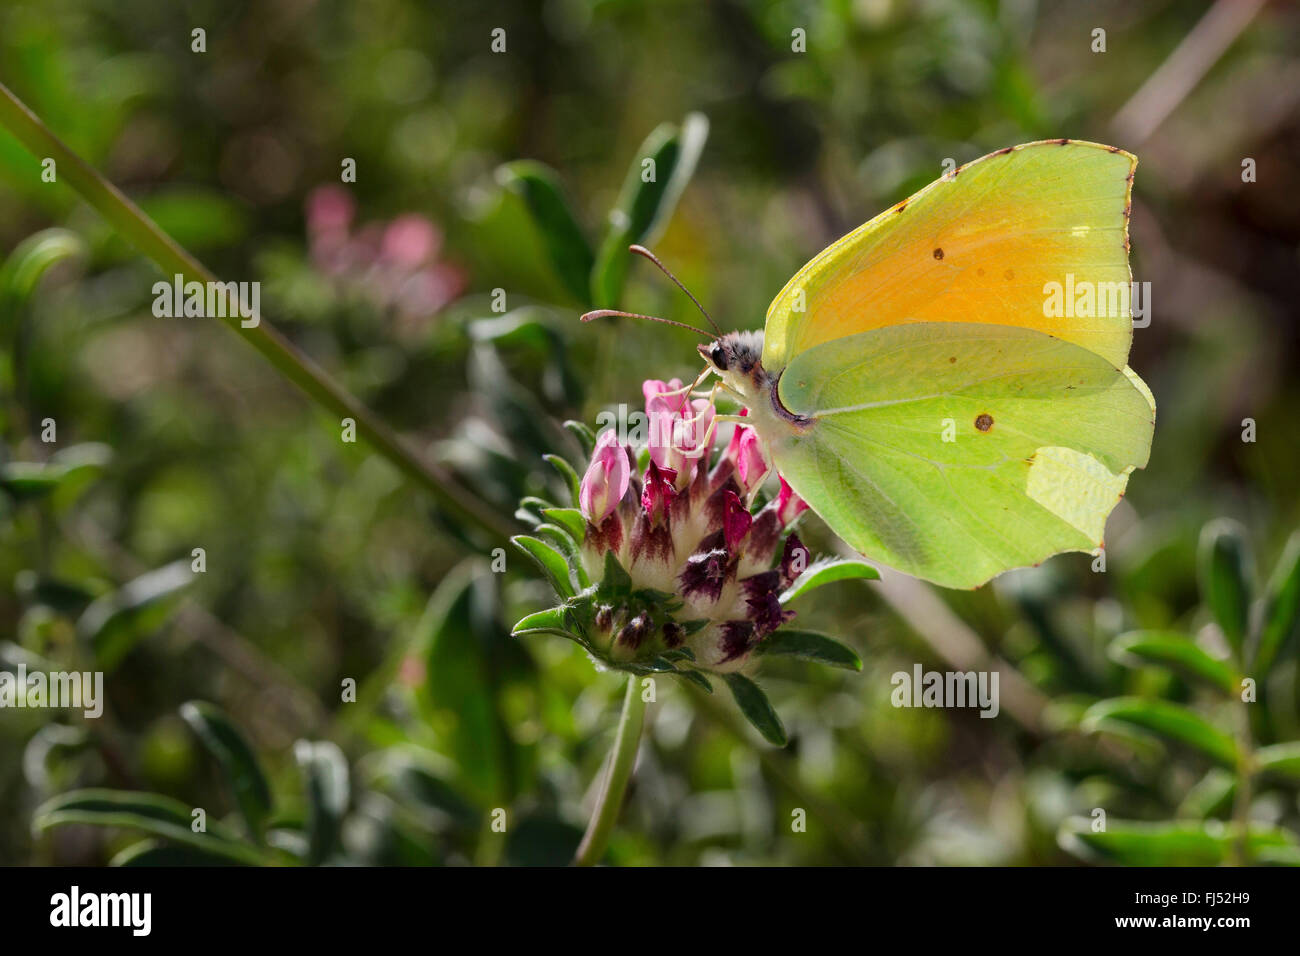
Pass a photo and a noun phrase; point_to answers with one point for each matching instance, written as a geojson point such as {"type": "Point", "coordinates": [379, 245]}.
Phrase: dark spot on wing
{"type": "Point", "coordinates": [901, 206]}
{"type": "Point", "coordinates": [1114, 149]}
{"type": "Point", "coordinates": [1004, 150]}
{"type": "Point", "coordinates": [1128, 210]}
{"type": "Point", "coordinates": [953, 359]}
{"type": "Point", "coordinates": [938, 253]}
{"type": "Point", "coordinates": [984, 422]}
{"type": "Point", "coordinates": [1063, 142]}
{"type": "Point", "coordinates": [979, 272]}
{"type": "Point", "coordinates": [1009, 275]}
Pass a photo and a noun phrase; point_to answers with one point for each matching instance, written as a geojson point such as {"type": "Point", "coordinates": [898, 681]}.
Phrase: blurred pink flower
{"type": "Point", "coordinates": [393, 264]}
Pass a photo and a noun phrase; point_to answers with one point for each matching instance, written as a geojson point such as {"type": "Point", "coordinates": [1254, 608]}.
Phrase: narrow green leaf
{"type": "Point", "coordinates": [1169, 720]}
{"type": "Point", "coordinates": [569, 548]}
{"type": "Point", "coordinates": [1281, 606]}
{"type": "Point", "coordinates": [615, 578]}
{"type": "Point", "coordinates": [757, 708]}
{"type": "Point", "coordinates": [325, 776]}
{"type": "Point", "coordinates": [1182, 843]}
{"type": "Point", "coordinates": [471, 663]}
{"type": "Point", "coordinates": [644, 207]}
{"type": "Point", "coordinates": [29, 480]}
{"type": "Point", "coordinates": [238, 762]}
{"type": "Point", "coordinates": [570, 519]}
{"type": "Point", "coordinates": [32, 257]}
{"type": "Point", "coordinates": [810, 646]}
{"type": "Point", "coordinates": [586, 437]}
{"type": "Point", "coordinates": [146, 812]}
{"type": "Point", "coordinates": [1211, 796]}
{"type": "Point", "coordinates": [698, 679]}
{"type": "Point", "coordinates": [567, 473]}
{"type": "Point", "coordinates": [1225, 572]}
{"type": "Point", "coordinates": [825, 572]}
{"type": "Point", "coordinates": [564, 241]}
{"type": "Point", "coordinates": [115, 622]}
{"type": "Point", "coordinates": [550, 619]}
{"type": "Point", "coordinates": [153, 853]}
{"type": "Point", "coordinates": [552, 562]}
{"type": "Point", "coordinates": [1175, 651]}
{"type": "Point", "coordinates": [421, 785]}
{"type": "Point", "coordinates": [1281, 760]}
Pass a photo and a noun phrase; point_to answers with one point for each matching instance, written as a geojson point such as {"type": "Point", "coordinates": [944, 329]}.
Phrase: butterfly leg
{"type": "Point", "coordinates": [689, 390]}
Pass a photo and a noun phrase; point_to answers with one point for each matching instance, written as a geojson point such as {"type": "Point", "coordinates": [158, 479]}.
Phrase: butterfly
{"type": "Point", "coordinates": [948, 385]}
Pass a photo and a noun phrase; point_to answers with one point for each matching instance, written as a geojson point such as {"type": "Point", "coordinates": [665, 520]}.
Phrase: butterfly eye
{"type": "Point", "coordinates": [718, 356]}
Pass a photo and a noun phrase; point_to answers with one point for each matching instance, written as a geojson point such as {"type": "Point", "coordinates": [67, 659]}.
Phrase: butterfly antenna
{"type": "Point", "coordinates": [643, 251]}
{"type": "Point", "coordinates": [607, 313]}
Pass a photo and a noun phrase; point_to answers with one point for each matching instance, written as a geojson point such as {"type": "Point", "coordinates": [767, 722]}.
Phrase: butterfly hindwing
{"type": "Point", "coordinates": [955, 451]}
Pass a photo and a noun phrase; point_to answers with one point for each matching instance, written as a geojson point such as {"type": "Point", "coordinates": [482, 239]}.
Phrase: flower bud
{"type": "Point", "coordinates": [788, 504]}
{"type": "Point", "coordinates": [747, 453]}
{"type": "Point", "coordinates": [606, 480]}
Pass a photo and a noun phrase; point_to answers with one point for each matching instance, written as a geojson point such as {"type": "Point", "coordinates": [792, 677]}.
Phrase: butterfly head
{"type": "Point", "coordinates": [738, 353]}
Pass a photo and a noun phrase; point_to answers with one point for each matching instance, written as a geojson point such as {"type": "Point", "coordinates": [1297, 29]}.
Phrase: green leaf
{"type": "Point", "coordinates": [325, 776]}
{"type": "Point", "coordinates": [567, 473]}
{"type": "Point", "coordinates": [1225, 571]}
{"type": "Point", "coordinates": [420, 785]}
{"type": "Point", "coordinates": [586, 437]}
{"type": "Point", "coordinates": [1175, 651]}
{"type": "Point", "coordinates": [472, 665]}
{"type": "Point", "coordinates": [114, 623]}
{"type": "Point", "coordinates": [1281, 606]}
{"type": "Point", "coordinates": [1210, 796]}
{"type": "Point", "coordinates": [146, 812]}
{"type": "Point", "coordinates": [810, 646]}
{"type": "Point", "coordinates": [565, 244]}
{"type": "Point", "coordinates": [643, 208]}
{"type": "Point", "coordinates": [698, 679]}
{"type": "Point", "coordinates": [552, 619]}
{"type": "Point", "coordinates": [757, 708]}
{"type": "Point", "coordinates": [1280, 760]}
{"type": "Point", "coordinates": [615, 579]}
{"type": "Point", "coordinates": [238, 762]}
{"type": "Point", "coordinates": [31, 259]}
{"type": "Point", "coordinates": [153, 853]}
{"type": "Point", "coordinates": [552, 562]}
{"type": "Point", "coordinates": [1169, 720]}
{"type": "Point", "coordinates": [29, 480]}
{"type": "Point", "coordinates": [1183, 843]}
{"type": "Point", "coordinates": [824, 572]}
{"type": "Point", "coordinates": [570, 519]}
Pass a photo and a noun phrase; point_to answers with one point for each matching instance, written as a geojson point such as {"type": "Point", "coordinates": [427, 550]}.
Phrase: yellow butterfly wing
{"type": "Point", "coordinates": [943, 399]}
{"type": "Point", "coordinates": [983, 244]}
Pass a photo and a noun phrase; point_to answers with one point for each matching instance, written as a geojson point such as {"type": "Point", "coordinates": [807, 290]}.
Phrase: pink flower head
{"type": "Point", "coordinates": [746, 453]}
{"type": "Point", "coordinates": [606, 480]}
{"type": "Point", "coordinates": [788, 504]}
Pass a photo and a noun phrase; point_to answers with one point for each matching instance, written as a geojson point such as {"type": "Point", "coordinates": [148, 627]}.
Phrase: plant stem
{"type": "Point", "coordinates": [142, 232]}
{"type": "Point", "coordinates": [621, 760]}
{"type": "Point", "coordinates": [1241, 854]}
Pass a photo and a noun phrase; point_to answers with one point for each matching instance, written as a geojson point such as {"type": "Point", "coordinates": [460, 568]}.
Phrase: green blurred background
{"type": "Point", "coordinates": [324, 564]}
